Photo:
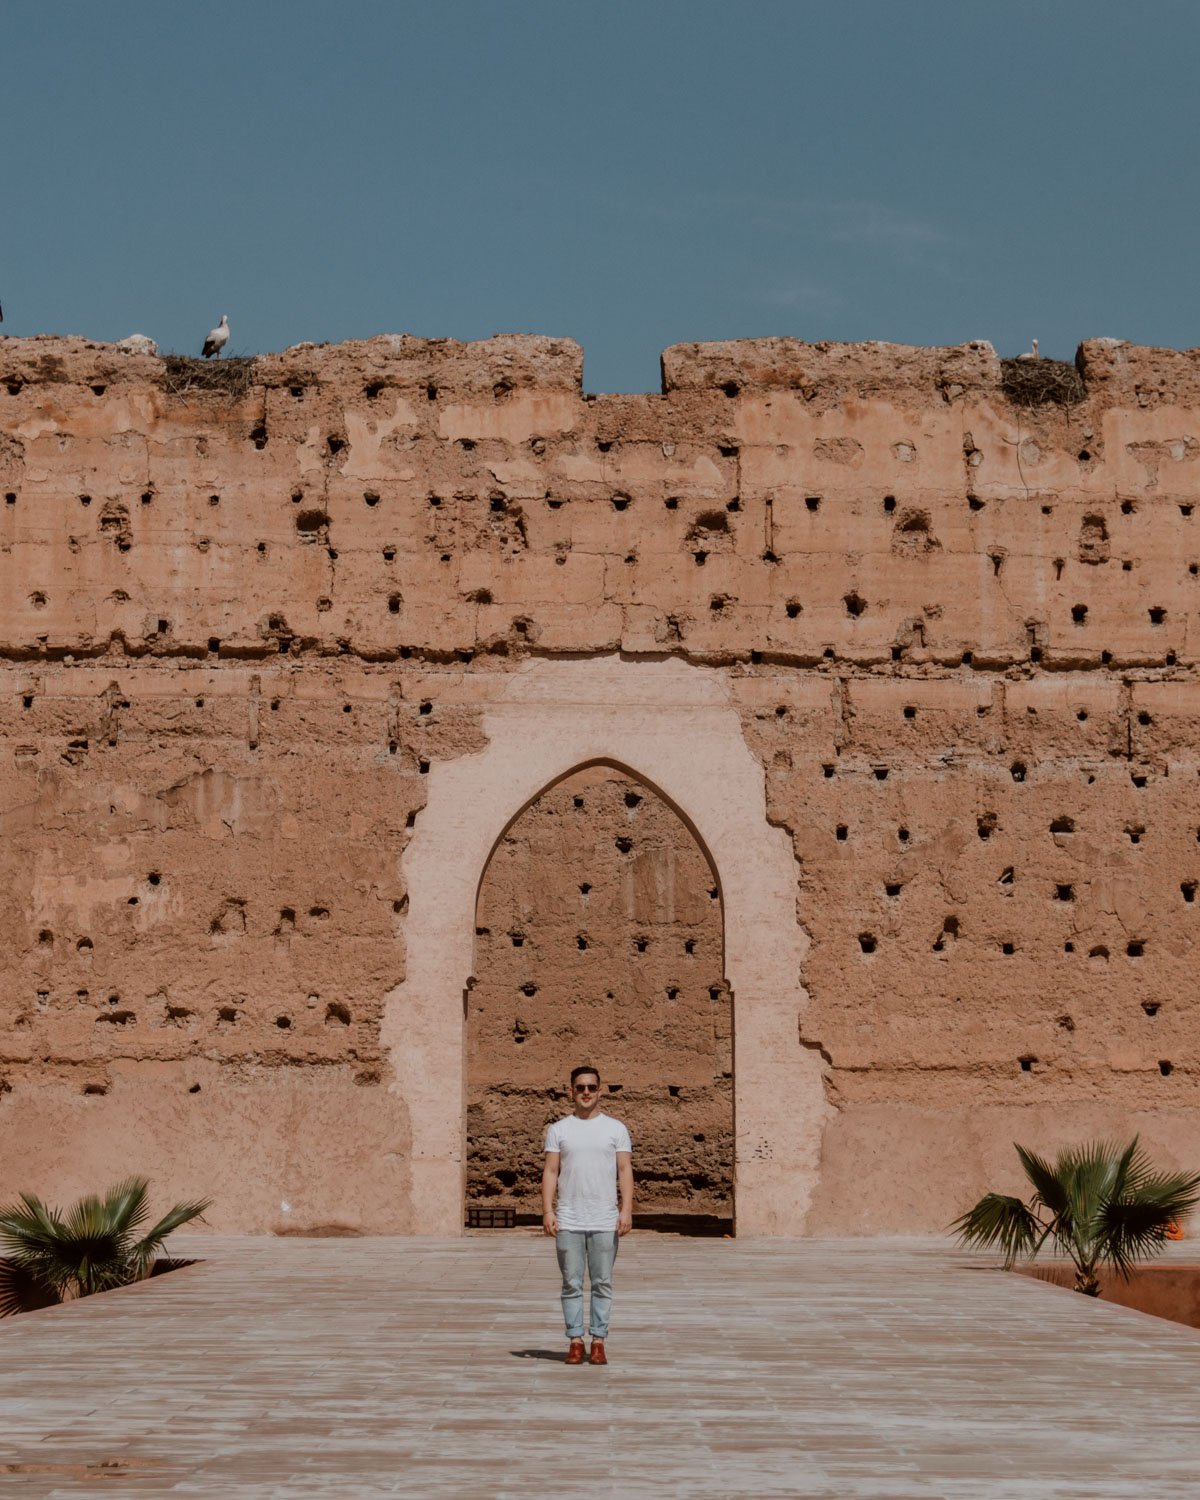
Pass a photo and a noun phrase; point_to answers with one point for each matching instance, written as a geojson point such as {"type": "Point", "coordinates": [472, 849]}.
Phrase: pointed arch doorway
{"type": "Point", "coordinates": [599, 938]}
{"type": "Point", "coordinates": [678, 728]}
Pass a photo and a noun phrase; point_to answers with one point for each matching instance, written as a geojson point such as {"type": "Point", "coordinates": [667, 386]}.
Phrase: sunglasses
{"type": "Point", "coordinates": [587, 1088]}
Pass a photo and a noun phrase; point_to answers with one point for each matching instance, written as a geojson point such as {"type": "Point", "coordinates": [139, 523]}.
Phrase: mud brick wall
{"type": "Point", "coordinates": [241, 626]}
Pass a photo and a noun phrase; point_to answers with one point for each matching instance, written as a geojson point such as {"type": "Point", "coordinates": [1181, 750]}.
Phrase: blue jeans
{"type": "Point", "coordinates": [597, 1248]}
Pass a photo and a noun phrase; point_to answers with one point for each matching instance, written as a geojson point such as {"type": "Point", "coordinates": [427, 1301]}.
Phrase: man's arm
{"type": "Point", "coordinates": [549, 1188]}
{"type": "Point", "coordinates": [625, 1188]}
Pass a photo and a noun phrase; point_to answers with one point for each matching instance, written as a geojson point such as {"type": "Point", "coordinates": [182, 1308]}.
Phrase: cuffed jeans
{"type": "Point", "coordinates": [597, 1248]}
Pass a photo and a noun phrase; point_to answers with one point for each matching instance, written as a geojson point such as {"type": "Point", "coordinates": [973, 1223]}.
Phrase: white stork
{"type": "Point", "coordinates": [1033, 353]}
{"type": "Point", "coordinates": [217, 339]}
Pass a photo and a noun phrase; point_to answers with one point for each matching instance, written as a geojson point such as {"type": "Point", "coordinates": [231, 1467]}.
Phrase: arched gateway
{"type": "Point", "coordinates": [599, 936]}
{"type": "Point", "coordinates": [673, 726]}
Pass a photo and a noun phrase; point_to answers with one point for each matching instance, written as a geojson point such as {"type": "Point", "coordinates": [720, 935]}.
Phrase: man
{"type": "Point", "coordinates": [588, 1159]}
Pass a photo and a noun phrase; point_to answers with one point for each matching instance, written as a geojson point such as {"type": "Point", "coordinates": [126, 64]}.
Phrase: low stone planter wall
{"type": "Point", "coordinates": [161, 1267]}
{"type": "Point", "coordinates": [1165, 1291]}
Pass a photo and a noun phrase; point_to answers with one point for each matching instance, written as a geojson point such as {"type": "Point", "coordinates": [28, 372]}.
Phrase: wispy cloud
{"type": "Point", "coordinates": [879, 226]}
{"type": "Point", "coordinates": [873, 227]}
{"type": "Point", "coordinates": [799, 295]}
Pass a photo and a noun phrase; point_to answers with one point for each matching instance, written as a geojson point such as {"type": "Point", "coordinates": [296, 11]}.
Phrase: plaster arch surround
{"type": "Point", "coordinates": [673, 725]}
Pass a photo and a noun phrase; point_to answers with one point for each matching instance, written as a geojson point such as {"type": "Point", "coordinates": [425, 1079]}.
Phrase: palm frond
{"type": "Point", "coordinates": [1134, 1226]}
{"type": "Point", "coordinates": [144, 1251]}
{"type": "Point", "coordinates": [1045, 1179]}
{"type": "Point", "coordinates": [31, 1230]}
{"type": "Point", "coordinates": [998, 1220]}
{"type": "Point", "coordinates": [1088, 1174]}
{"type": "Point", "coordinates": [125, 1205]}
{"type": "Point", "coordinates": [22, 1290]}
{"type": "Point", "coordinates": [1133, 1169]}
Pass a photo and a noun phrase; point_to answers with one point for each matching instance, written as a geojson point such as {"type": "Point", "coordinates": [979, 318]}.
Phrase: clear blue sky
{"type": "Point", "coordinates": [629, 174]}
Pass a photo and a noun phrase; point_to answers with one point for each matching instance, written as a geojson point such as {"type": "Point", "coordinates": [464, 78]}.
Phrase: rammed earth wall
{"type": "Point", "coordinates": [914, 664]}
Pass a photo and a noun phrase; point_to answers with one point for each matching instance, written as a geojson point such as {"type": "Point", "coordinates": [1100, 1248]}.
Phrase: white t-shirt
{"type": "Point", "coordinates": [587, 1170]}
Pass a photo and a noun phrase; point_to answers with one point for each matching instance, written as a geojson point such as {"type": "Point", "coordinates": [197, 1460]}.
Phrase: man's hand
{"type": "Point", "coordinates": [624, 1222]}
{"type": "Point", "coordinates": [550, 1223]}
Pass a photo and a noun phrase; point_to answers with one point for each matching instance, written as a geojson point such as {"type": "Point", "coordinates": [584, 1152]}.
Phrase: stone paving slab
{"type": "Point", "coordinates": [842, 1369]}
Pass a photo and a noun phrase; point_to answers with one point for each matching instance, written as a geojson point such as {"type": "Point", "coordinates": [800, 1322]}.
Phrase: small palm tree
{"type": "Point", "coordinates": [1099, 1204]}
{"type": "Point", "coordinates": [54, 1257]}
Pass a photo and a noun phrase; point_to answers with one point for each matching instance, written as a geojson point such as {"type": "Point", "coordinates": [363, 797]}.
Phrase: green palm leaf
{"type": "Point", "coordinates": [146, 1249]}
{"type": "Point", "coordinates": [125, 1205]}
{"type": "Point", "coordinates": [21, 1290]}
{"type": "Point", "coordinates": [1045, 1180]}
{"type": "Point", "coordinates": [1000, 1221]}
{"type": "Point", "coordinates": [1134, 1226]}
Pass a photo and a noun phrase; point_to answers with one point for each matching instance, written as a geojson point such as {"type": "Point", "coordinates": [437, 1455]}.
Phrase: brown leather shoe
{"type": "Point", "coordinates": [597, 1356]}
{"type": "Point", "coordinates": [575, 1352]}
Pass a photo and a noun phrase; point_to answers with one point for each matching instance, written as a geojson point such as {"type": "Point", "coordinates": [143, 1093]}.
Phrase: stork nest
{"type": "Point", "coordinates": [1041, 382]}
{"type": "Point", "coordinates": [233, 378]}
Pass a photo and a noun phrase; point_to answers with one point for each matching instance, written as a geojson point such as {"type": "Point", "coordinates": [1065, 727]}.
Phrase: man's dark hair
{"type": "Point", "coordinates": [587, 1068]}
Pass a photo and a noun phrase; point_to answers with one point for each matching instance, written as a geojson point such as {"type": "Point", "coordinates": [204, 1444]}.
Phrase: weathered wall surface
{"type": "Point", "coordinates": [237, 629]}
{"type": "Point", "coordinates": [599, 936]}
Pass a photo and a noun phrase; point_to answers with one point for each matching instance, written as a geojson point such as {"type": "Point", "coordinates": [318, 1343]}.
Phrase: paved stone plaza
{"type": "Point", "coordinates": [883, 1369]}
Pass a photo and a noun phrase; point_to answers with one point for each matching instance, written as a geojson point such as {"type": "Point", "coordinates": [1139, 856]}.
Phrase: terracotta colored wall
{"type": "Point", "coordinates": [237, 631]}
{"type": "Point", "coordinates": [599, 940]}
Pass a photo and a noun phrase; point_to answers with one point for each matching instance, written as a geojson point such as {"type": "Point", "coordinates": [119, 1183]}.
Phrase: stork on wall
{"type": "Point", "coordinates": [217, 338]}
